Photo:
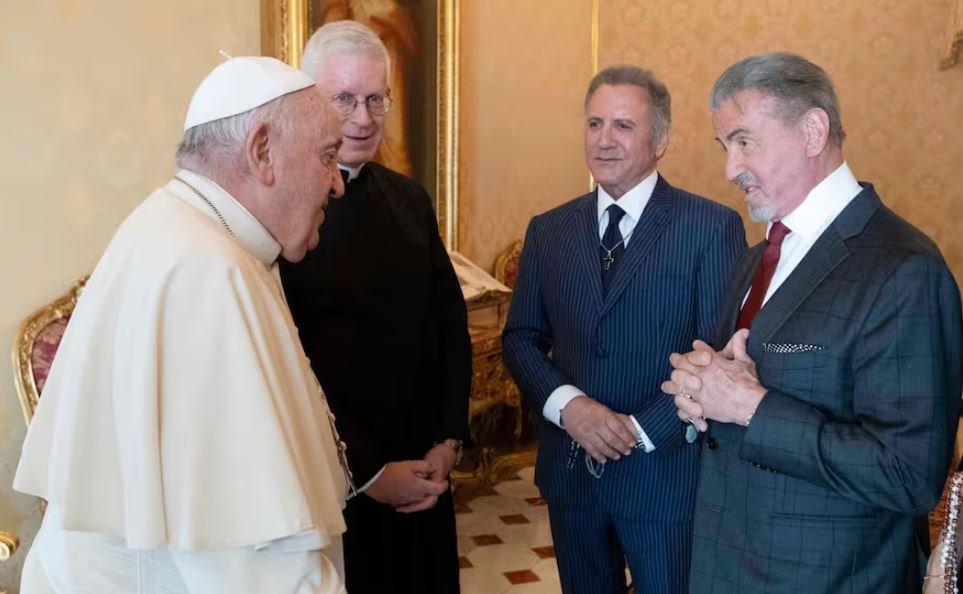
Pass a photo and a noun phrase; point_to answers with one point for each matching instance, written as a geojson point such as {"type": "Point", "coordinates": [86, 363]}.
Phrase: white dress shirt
{"type": "Point", "coordinates": [808, 221]}
{"type": "Point", "coordinates": [633, 203]}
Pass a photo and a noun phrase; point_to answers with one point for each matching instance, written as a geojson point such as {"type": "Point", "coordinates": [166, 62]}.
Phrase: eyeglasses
{"type": "Point", "coordinates": [345, 103]}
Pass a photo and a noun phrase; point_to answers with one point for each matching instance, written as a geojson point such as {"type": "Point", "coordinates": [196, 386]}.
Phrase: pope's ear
{"type": "Point", "coordinates": [257, 151]}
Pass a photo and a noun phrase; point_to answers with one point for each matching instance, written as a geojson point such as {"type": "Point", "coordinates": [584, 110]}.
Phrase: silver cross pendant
{"type": "Point", "coordinates": [607, 260]}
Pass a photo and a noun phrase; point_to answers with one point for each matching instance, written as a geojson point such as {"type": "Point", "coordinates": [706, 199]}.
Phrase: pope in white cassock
{"type": "Point", "coordinates": [182, 441]}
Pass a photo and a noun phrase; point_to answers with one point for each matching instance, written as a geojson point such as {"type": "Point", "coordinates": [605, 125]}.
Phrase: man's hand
{"type": "Point", "coordinates": [722, 386]}
{"type": "Point", "coordinates": [441, 458]}
{"type": "Point", "coordinates": [405, 486]}
{"type": "Point", "coordinates": [604, 434]}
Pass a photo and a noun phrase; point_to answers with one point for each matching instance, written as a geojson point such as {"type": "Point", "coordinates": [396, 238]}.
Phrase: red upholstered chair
{"type": "Point", "coordinates": [35, 345]}
{"type": "Point", "coordinates": [506, 265]}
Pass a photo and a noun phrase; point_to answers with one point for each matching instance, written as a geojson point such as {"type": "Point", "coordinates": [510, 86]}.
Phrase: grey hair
{"type": "Point", "coordinates": [661, 118]}
{"type": "Point", "coordinates": [797, 84]}
{"type": "Point", "coordinates": [342, 37]}
{"type": "Point", "coordinates": [214, 146]}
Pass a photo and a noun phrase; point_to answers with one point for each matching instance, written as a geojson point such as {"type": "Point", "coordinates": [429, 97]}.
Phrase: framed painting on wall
{"type": "Point", "coordinates": [422, 39]}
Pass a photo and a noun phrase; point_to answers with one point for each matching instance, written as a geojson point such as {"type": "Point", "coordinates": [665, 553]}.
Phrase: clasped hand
{"type": "Point", "coordinates": [718, 385]}
{"type": "Point", "coordinates": [414, 485]}
{"type": "Point", "coordinates": [603, 433]}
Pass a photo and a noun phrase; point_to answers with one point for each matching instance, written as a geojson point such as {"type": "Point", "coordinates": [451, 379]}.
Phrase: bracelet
{"type": "Point", "coordinates": [749, 419]}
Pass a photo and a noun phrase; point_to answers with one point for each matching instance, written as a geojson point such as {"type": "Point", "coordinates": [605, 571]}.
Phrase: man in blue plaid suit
{"type": "Point", "coordinates": [609, 284]}
{"type": "Point", "coordinates": [830, 414]}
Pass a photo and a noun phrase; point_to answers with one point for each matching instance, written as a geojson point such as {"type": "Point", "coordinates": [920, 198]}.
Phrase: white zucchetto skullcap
{"type": "Point", "coordinates": [241, 84]}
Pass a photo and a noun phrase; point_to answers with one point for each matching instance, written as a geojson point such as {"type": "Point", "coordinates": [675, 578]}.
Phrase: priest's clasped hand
{"type": "Point", "coordinates": [603, 433]}
{"type": "Point", "coordinates": [406, 487]}
{"type": "Point", "coordinates": [718, 385]}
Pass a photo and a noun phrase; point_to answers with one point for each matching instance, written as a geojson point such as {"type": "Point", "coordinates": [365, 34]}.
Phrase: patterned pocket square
{"type": "Point", "coordinates": [789, 348]}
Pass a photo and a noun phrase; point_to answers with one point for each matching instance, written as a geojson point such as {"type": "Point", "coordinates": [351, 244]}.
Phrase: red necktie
{"type": "Point", "coordinates": [760, 282]}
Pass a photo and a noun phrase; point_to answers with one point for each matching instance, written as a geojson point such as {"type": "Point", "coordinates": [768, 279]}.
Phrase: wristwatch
{"type": "Point", "coordinates": [454, 444]}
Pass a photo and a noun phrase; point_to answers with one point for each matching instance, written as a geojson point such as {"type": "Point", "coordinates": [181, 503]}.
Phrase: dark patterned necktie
{"type": "Point", "coordinates": [611, 247]}
{"type": "Point", "coordinates": [760, 282]}
{"type": "Point", "coordinates": [345, 174]}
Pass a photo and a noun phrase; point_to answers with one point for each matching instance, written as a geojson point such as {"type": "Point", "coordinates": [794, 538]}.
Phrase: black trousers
{"type": "Point", "coordinates": [387, 551]}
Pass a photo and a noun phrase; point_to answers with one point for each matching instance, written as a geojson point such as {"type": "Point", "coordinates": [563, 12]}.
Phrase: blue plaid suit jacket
{"type": "Point", "coordinates": [860, 350]}
{"type": "Point", "coordinates": [560, 330]}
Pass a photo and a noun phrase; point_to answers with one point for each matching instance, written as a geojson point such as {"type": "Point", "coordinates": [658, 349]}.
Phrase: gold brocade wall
{"type": "Point", "coordinates": [525, 65]}
{"type": "Point", "coordinates": [903, 116]}
{"type": "Point", "coordinates": [523, 71]}
{"type": "Point", "coordinates": [94, 95]}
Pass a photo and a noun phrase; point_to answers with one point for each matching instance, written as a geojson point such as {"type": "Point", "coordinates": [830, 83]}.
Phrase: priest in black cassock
{"type": "Point", "coordinates": [381, 316]}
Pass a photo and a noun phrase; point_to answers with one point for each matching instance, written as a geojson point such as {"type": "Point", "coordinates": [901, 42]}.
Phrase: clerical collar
{"type": "Point", "coordinates": [353, 172]}
{"type": "Point", "coordinates": [237, 219]}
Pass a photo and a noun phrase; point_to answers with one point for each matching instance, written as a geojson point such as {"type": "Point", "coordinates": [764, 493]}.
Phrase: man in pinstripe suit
{"type": "Point", "coordinates": [609, 284]}
{"type": "Point", "coordinates": [830, 429]}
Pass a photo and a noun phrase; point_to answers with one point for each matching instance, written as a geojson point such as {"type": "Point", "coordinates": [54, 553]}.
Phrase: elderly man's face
{"type": "Point", "coordinates": [307, 172]}
{"type": "Point", "coordinates": [618, 137]}
{"type": "Point", "coordinates": [357, 76]}
{"type": "Point", "coordinates": [765, 157]}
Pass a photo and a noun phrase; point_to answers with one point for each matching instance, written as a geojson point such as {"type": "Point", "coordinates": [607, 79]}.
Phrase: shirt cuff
{"type": "Point", "coordinates": [368, 484]}
{"type": "Point", "coordinates": [557, 400]}
{"type": "Point", "coordinates": [644, 440]}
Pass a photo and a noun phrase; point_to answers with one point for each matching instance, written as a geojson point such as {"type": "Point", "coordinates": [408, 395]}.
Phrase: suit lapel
{"type": "Point", "coordinates": [648, 230]}
{"type": "Point", "coordinates": [824, 256]}
{"type": "Point", "coordinates": [587, 245]}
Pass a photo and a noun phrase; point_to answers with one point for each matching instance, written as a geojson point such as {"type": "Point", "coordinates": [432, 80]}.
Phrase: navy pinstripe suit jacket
{"type": "Point", "coordinates": [860, 351]}
{"type": "Point", "coordinates": [666, 293]}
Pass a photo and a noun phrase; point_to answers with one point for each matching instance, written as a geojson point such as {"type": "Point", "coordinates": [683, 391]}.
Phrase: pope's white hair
{"type": "Point", "coordinates": [345, 38]}
{"type": "Point", "coordinates": [218, 146]}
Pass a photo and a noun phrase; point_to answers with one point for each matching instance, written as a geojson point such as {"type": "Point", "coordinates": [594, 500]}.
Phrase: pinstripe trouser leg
{"type": "Point", "coordinates": [590, 560]}
{"type": "Point", "coordinates": [658, 554]}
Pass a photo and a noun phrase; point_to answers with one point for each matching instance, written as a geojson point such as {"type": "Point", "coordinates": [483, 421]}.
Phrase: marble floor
{"type": "Point", "coordinates": [504, 540]}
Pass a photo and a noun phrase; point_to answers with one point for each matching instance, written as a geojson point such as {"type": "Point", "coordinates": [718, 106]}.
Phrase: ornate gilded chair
{"type": "Point", "coordinates": [35, 345]}
{"type": "Point", "coordinates": [506, 264]}
{"type": "Point", "coordinates": [943, 569]}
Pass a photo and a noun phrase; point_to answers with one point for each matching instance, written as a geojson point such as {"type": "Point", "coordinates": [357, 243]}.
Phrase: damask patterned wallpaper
{"type": "Point", "coordinates": [522, 152]}
{"type": "Point", "coordinates": [524, 69]}
{"type": "Point", "coordinates": [903, 116]}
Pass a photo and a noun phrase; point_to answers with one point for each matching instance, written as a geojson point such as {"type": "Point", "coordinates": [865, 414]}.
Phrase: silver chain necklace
{"type": "Point", "coordinates": [608, 260]}
{"type": "Point", "coordinates": [208, 203]}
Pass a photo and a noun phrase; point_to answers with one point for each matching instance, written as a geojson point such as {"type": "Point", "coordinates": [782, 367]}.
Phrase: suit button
{"type": "Point", "coordinates": [711, 443]}
{"type": "Point", "coordinates": [600, 350]}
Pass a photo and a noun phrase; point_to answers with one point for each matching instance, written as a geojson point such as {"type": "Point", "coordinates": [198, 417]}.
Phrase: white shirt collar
{"type": "Point", "coordinates": [247, 229]}
{"type": "Point", "coordinates": [632, 202]}
{"type": "Point", "coordinates": [823, 204]}
{"type": "Point", "coordinates": [353, 172]}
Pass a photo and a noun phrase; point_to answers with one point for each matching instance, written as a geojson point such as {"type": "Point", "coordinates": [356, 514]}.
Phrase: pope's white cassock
{"type": "Point", "coordinates": [181, 441]}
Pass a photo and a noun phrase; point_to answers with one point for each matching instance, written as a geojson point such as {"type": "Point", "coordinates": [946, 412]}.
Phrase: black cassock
{"type": "Point", "coordinates": [382, 318]}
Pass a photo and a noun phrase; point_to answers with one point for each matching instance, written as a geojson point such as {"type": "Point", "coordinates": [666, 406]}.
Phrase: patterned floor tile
{"type": "Point", "coordinates": [523, 576]}
{"type": "Point", "coordinates": [547, 569]}
{"type": "Point", "coordinates": [484, 540]}
{"type": "Point", "coordinates": [501, 558]}
{"type": "Point", "coordinates": [482, 581]}
{"type": "Point", "coordinates": [535, 588]}
{"type": "Point", "coordinates": [519, 489]}
{"type": "Point", "coordinates": [505, 541]}
{"type": "Point", "coordinates": [514, 519]}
